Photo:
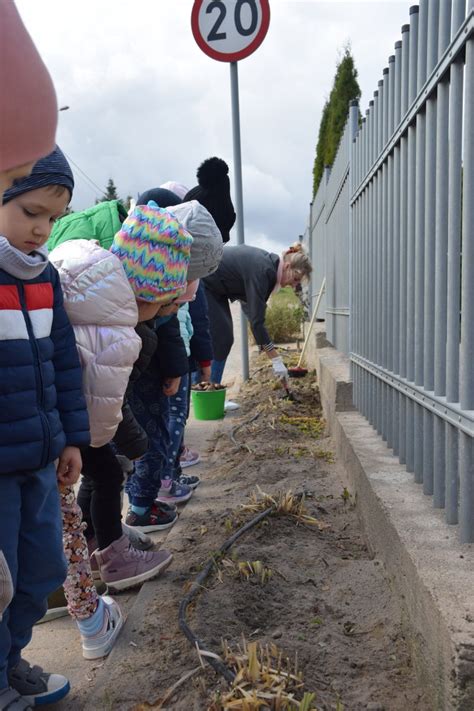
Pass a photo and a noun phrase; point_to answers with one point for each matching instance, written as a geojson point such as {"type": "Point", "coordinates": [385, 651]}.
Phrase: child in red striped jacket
{"type": "Point", "coordinates": [43, 421]}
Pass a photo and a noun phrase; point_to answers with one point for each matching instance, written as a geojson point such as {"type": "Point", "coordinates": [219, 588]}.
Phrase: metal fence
{"type": "Point", "coordinates": [317, 242]}
{"type": "Point", "coordinates": [406, 247]}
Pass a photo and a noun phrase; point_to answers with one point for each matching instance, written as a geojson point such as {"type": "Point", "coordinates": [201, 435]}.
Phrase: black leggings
{"type": "Point", "coordinates": [100, 494]}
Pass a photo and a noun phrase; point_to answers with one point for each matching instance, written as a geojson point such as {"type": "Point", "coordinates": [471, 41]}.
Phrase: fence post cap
{"type": "Point", "coordinates": [353, 102]}
{"type": "Point", "coordinates": [405, 28]}
{"type": "Point", "coordinates": [380, 82]}
{"type": "Point", "coordinates": [398, 44]}
{"type": "Point", "coordinates": [414, 9]}
{"type": "Point", "coordinates": [391, 58]}
{"type": "Point", "coordinates": [385, 71]}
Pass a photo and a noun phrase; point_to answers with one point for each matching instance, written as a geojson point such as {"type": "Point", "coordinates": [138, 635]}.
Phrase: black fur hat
{"type": "Point", "coordinates": [213, 191]}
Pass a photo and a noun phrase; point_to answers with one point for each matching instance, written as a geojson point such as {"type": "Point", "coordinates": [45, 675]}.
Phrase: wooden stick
{"type": "Point", "coordinates": [318, 301]}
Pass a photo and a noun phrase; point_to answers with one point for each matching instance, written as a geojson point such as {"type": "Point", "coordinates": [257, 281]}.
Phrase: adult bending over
{"type": "Point", "coordinates": [250, 275]}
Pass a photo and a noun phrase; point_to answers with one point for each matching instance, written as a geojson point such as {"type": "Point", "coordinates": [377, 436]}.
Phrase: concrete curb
{"type": "Point", "coordinates": [430, 570]}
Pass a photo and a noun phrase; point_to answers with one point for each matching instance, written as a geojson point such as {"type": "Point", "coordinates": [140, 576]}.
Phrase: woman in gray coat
{"type": "Point", "coordinates": [250, 275]}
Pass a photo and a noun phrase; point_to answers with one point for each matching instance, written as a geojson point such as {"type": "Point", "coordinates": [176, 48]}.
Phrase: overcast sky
{"type": "Point", "coordinates": [147, 105]}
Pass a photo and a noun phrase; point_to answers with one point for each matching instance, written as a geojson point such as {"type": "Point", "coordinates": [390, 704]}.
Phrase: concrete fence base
{"type": "Point", "coordinates": [431, 572]}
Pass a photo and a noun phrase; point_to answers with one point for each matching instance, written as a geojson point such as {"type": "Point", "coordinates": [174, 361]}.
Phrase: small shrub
{"type": "Point", "coordinates": [284, 316]}
{"type": "Point", "coordinates": [283, 321]}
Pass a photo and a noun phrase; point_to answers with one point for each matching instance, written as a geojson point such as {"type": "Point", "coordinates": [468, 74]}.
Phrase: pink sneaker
{"type": "Point", "coordinates": [121, 566]}
{"type": "Point", "coordinates": [188, 458]}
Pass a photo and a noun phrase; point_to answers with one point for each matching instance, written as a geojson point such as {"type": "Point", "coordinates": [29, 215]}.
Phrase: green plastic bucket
{"type": "Point", "coordinates": [208, 404]}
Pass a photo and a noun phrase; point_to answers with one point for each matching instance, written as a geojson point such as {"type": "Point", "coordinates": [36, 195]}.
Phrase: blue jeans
{"type": "Point", "coordinates": [178, 415]}
{"type": "Point", "coordinates": [31, 540]}
{"type": "Point", "coordinates": [217, 370]}
{"type": "Point", "coordinates": [151, 408]}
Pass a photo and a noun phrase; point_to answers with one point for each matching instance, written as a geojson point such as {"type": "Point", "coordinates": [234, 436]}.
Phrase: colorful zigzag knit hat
{"type": "Point", "coordinates": [154, 249]}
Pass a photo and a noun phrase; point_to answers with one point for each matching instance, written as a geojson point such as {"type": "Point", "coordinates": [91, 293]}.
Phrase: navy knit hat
{"type": "Point", "coordinates": [52, 170]}
{"type": "Point", "coordinates": [162, 197]}
{"type": "Point", "coordinates": [213, 192]}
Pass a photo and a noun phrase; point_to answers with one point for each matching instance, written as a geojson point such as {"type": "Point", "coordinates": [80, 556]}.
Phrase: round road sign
{"type": "Point", "coordinates": [230, 30]}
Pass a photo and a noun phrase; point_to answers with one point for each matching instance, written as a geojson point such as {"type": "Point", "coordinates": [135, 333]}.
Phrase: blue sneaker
{"type": "Point", "coordinates": [189, 480]}
{"type": "Point", "coordinates": [172, 492]}
{"type": "Point", "coordinates": [35, 686]}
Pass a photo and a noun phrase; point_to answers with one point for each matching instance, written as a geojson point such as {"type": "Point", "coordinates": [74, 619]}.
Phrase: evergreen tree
{"type": "Point", "coordinates": [110, 192]}
{"type": "Point", "coordinates": [336, 110]}
{"type": "Point", "coordinates": [319, 161]}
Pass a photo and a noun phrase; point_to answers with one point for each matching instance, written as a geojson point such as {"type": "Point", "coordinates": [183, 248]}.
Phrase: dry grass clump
{"type": "Point", "coordinates": [285, 504]}
{"type": "Point", "coordinates": [248, 570]}
{"type": "Point", "coordinates": [310, 426]}
{"type": "Point", "coordinates": [265, 679]}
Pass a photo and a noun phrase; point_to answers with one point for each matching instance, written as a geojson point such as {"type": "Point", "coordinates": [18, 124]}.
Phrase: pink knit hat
{"type": "Point", "coordinates": [177, 188]}
{"type": "Point", "coordinates": [29, 111]}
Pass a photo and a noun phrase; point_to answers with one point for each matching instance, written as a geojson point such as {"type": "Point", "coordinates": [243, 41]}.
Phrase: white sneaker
{"type": "Point", "coordinates": [100, 644]}
{"type": "Point", "coordinates": [230, 405]}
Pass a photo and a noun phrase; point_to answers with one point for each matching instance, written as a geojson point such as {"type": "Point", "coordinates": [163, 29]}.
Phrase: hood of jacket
{"type": "Point", "coordinates": [96, 289]}
{"type": "Point", "coordinates": [100, 222]}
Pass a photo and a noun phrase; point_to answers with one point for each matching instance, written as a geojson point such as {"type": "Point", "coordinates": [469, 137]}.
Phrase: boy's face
{"type": "Point", "coordinates": [27, 220]}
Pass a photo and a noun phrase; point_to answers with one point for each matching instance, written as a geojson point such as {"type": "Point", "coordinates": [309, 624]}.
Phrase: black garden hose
{"type": "Point", "coordinates": [196, 588]}
{"type": "Point", "coordinates": [238, 427]}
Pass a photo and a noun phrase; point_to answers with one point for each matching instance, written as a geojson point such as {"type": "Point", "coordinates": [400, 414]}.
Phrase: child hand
{"type": "Point", "coordinates": [69, 466]}
{"type": "Point", "coordinates": [171, 386]}
{"type": "Point", "coordinates": [205, 373]}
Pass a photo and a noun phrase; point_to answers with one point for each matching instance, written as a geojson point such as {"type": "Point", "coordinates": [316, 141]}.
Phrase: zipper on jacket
{"type": "Point", "coordinates": [38, 377]}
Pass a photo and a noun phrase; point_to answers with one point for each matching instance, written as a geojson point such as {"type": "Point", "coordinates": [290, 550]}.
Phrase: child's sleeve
{"type": "Point", "coordinates": [108, 356]}
{"type": "Point", "coordinates": [201, 343]}
{"type": "Point", "coordinates": [68, 374]}
{"type": "Point", "coordinates": [256, 288]}
{"type": "Point", "coordinates": [171, 354]}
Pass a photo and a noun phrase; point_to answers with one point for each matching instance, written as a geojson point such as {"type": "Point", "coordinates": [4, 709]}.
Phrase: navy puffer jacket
{"type": "Point", "coordinates": [42, 408]}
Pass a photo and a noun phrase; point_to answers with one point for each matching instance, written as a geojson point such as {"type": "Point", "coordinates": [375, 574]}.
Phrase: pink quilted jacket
{"type": "Point", "coordinates": [102, 308]}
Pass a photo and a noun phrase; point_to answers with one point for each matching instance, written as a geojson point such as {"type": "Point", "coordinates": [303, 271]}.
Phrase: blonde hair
{"type": "Point", "coordinates": [298, 260]}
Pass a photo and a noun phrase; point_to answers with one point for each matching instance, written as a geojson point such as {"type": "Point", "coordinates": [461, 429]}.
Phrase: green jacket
{"type": "Point", "coordinates": [100, 222]}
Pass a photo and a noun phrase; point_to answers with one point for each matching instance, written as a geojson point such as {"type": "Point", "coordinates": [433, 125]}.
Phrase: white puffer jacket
{"type": "Point", "coordinates": [102, 308]}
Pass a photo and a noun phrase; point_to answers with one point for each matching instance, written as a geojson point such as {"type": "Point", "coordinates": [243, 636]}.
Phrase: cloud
{"type": "Point", "coordinates": [146, 105]}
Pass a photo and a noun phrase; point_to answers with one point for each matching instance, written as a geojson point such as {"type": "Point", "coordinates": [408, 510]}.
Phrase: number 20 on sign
{"type": "Point", "coordinates": [230, 30]}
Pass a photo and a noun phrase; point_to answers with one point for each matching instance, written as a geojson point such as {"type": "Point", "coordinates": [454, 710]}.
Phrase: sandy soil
{"type": "Point", "coordinates": [327, 600]}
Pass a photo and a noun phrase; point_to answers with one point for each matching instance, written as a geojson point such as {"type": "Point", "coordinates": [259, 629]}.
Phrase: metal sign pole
{"type": "Point", "coordinates": [239, 203]}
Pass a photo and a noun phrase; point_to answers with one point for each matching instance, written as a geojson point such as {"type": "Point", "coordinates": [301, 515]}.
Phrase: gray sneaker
{"type": "Point", "coordinates": [139, 540]}
{"type": "Point", "coordinates": [122, 566]}
{"type": "Point", "coordinates": [35, 686]}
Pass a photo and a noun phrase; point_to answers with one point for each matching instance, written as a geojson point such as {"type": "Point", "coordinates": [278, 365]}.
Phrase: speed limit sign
{"type": "Point", "coordinates": [230, 30]}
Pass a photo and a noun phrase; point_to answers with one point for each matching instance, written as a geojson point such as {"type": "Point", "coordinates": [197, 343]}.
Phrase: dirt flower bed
{"type": "Point", "coordinates": [300, 585]}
